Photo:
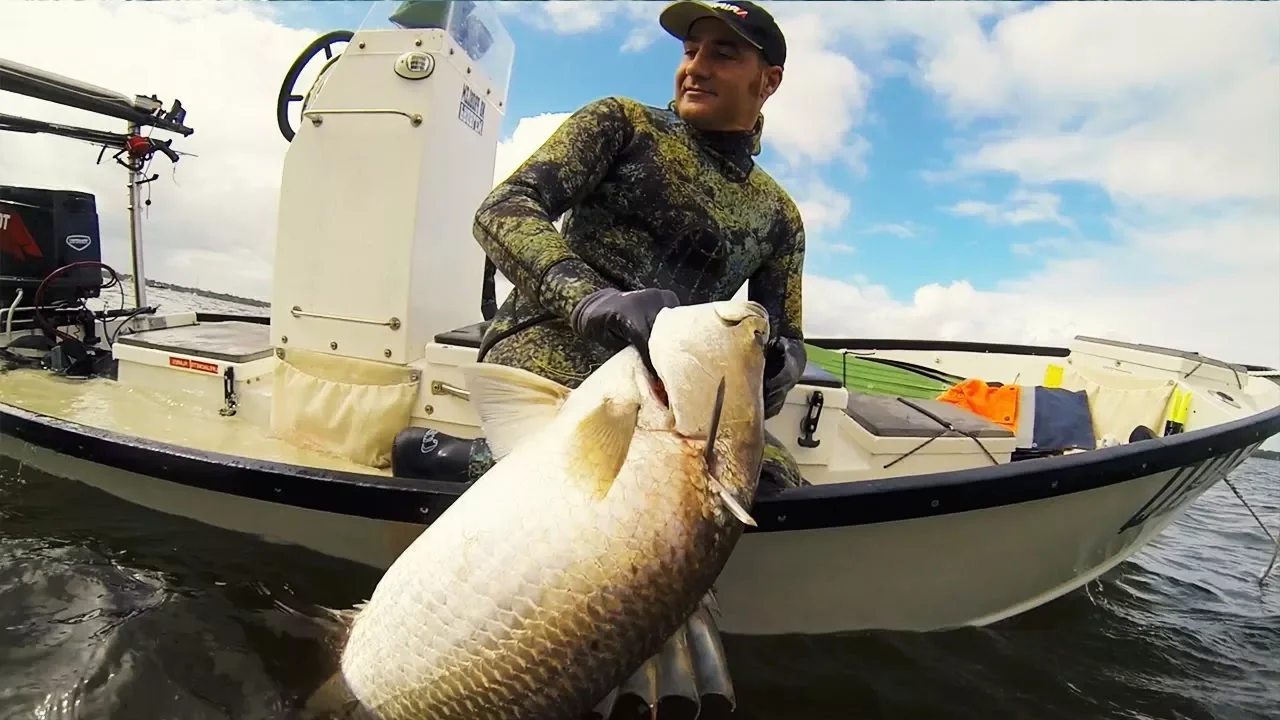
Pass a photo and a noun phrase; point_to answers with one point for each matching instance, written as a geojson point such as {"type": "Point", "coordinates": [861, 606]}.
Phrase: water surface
{"type": "Point", "coordinates": [110, 611]}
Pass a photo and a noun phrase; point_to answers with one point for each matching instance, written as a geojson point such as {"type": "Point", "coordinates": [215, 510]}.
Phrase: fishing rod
{"type": "Point", "coordinates": [138, 148]}
{"type": "Point", "coordinates": [140, 111]}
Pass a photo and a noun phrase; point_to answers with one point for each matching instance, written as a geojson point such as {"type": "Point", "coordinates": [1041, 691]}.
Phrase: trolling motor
{"type": "Point", "coordinates": [50, 239]}
{"type": "Point", "coordinates": [51, 244]}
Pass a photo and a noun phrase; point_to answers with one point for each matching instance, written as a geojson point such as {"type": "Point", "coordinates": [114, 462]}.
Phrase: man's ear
{"type": "Point", "coordinates": [772, 80]}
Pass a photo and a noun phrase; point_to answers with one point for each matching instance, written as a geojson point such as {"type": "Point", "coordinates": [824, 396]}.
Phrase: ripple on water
{"type": "Point", "coordinates": [109, 611]}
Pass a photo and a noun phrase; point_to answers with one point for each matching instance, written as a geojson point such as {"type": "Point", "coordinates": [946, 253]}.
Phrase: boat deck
{"type": "Point", "coordinates": [110, 406]}
{"type": "Point", "coordinates": [230, 341]}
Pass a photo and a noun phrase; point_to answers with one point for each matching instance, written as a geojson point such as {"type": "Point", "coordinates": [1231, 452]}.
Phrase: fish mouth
{"type": "Point", "coordinates": [658, 387]}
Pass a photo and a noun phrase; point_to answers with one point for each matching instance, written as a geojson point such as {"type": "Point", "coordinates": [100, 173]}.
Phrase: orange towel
{"type": "Point", "coordinates": [997, 404]}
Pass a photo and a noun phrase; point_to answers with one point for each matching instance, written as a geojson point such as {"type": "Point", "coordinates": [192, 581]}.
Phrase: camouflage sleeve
{"type": "Point", "coordinates": [513, 224]}
{"type": "Point", "coordinates": [777, 284]}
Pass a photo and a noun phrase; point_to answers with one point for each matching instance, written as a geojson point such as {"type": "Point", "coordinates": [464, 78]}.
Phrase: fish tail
{"type": "Point", "coordinates": [687, 678]}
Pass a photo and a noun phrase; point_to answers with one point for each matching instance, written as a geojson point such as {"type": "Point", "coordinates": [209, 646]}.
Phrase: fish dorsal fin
{"type": "Point", "coordinates": [601, 442]}
{"type": "Point", "coordinates": [709, 455]}
{"type": "Point", "coordinates": [513, 404]}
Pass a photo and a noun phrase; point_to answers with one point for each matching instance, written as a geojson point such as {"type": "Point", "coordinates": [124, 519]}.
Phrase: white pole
{"type": "Point", "coordinates": [135, 230]}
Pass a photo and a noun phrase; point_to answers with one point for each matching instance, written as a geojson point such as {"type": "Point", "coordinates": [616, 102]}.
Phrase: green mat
{"type": "Point", "coordinates": [876, 378]}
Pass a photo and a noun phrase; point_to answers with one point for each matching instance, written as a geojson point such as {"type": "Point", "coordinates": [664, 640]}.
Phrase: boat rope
{"type": "Point", "coordinates": [912, 451]}
{"type": "Point", "coordinates": [947, 427]}
{"type": "Point", "coordinates": [1275, 555]}
{"type": "Point", "coordinates": [1271, 565]}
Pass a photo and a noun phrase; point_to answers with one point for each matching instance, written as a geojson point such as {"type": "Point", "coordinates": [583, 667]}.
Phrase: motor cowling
{"type": "Point", "coordinates": [41, 231]}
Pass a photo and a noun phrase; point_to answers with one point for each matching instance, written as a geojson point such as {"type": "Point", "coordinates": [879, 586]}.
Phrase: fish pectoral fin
{"type": "Point", "coordinates": [601, 442]}
{"type": "Point", "coordinates": [732, 504]}
{"type": "Point", "coordinates": [709, 456]}
{"type": "Point", "coordinates": [713, 427]}
{"type": "Point", "coordinates": [513, 404]}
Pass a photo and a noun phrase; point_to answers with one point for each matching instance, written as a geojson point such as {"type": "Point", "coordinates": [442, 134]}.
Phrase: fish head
{"type": "Point", "coordinates": [694, 347]}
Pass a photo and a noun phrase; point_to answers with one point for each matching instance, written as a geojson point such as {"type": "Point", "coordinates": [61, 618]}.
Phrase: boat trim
{"type": "Point", "coordinates": [863, 344]}
{"type": "Point", "coordinates": [817, 506]}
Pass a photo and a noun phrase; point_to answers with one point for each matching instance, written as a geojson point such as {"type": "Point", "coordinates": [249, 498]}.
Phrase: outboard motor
{"type": "Point", "coordinates": [41, 232]}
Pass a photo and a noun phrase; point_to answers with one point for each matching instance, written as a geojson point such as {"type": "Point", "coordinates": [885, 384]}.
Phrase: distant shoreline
{"type": "Point", "coordinates": [1267, 454]}
{"type": "Point", "coordinates": [199, 292]}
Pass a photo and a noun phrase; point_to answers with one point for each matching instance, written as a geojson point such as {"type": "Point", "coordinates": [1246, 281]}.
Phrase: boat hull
{"type": "Point", "coordinates": [921, 553]}
{"type": "Point", "coordinates": [959, 569]}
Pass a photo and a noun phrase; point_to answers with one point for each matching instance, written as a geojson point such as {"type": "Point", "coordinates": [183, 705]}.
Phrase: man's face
{"type": "Point", "coordinates": [722, 80]}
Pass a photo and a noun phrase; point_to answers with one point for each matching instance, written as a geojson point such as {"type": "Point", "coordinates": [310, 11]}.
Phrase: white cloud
{"type": "Point", "coordinates": [1157, 103]}
{"type": "Point", "coordinates": [640, 38]}
{"type": "Point", "coordinates": [1181, 113]}
{"type": "Point", "coordinates": [902, 230]}
{"type": "Point", "coordinates": [576, 16]}
{"type": "Point", "coordinates": [822, 99]}
{"type": "Point", "coordinates": [1175, 287]}
{"type": "Point", "coordinates": [822, 207]}
{"type": "Point", "coordinates": [1020, 208]}
{"type": "Point", "coordinates": [572, 18]}
{"type": "Point", "coordinates": [1171, 108]}
{"type": "Point", "coordinates": [209, 213]}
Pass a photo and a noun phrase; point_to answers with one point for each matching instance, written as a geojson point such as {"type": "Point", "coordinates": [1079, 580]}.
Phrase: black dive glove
{"type": "Point", "coordinates": [617, 319]}
{"type": "Point", "coordinates": [784, 361]}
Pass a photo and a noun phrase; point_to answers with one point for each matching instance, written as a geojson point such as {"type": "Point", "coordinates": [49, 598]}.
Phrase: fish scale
{"type": "Point", "coordinates": [584, 551]}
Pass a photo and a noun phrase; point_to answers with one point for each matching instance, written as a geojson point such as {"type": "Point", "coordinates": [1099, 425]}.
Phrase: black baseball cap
{"type": "Point", "coordinates": [746, 18]}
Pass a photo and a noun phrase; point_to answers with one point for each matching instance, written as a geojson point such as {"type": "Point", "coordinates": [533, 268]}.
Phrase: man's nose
{"type": "Point", "coordinates": [699, 65]}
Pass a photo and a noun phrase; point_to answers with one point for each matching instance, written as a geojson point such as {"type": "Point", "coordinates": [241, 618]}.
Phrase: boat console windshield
{"type": "Point", "coordinates": [475, 26]}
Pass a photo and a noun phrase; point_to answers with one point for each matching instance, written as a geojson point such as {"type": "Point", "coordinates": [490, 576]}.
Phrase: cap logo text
{"type": "Point", "coordinates": [731, 8]}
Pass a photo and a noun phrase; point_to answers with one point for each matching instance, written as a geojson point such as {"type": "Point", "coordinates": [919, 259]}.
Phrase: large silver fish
{"type": "Point", "coordinates": [588, 545]}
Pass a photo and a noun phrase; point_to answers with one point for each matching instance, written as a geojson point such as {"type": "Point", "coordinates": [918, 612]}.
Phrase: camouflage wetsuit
{"type": "Point", "coordinates": [648, 201]}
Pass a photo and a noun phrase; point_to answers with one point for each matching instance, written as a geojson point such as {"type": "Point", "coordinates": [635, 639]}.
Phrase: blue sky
{"type": "Point", "coordinates": [1010, 172]}
{"type": "Point", "coordinates": [956, 160]}
{"type": "Point", "coordinates": [907, 129]}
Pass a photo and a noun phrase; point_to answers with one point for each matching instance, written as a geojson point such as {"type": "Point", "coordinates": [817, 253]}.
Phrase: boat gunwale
{"type": "Point", "coordinates": [828, 505]}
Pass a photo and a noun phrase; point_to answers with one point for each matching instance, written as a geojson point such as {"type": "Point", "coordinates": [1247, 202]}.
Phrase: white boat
{"type": "Point", "coordinates": [919, 514]}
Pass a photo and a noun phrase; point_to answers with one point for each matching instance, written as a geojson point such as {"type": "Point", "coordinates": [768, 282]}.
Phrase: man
{"type": "Point", "coordinates": [662, 206]}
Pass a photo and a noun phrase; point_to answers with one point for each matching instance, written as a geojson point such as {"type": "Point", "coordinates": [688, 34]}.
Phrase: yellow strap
{"type": "Point", "coordinates": [1053, 376]}
{"type": "Point", "coordinates": [1175, 402]}
{"type": "Point", "coordinates": [1183, 408]}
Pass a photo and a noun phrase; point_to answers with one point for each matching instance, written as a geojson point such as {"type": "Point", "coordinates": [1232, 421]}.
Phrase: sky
{"type": "Point", "coordinates": [1009, 172]}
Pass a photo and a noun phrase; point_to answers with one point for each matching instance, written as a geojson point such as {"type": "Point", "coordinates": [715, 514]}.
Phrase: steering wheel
{"type": "Point", "coordinates": [324, 42]}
